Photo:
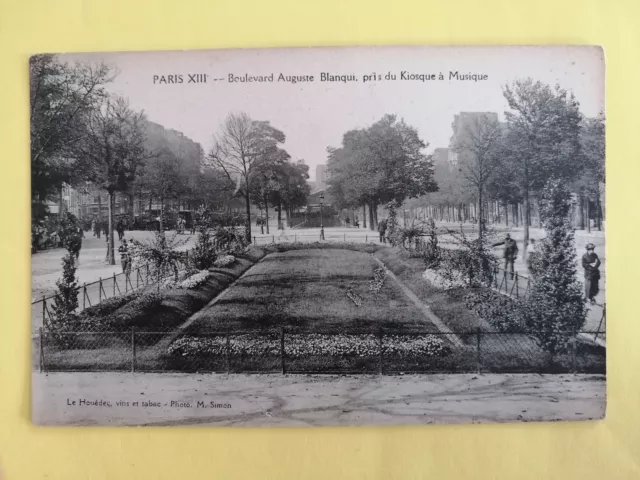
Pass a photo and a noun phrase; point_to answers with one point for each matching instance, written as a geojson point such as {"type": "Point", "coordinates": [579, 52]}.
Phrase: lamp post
{"type": "Point", "coordinates": [321, 225]}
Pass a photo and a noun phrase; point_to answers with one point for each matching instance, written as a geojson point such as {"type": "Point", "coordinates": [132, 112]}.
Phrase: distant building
{"type": "Point", "coordinates": [440, 156]}
{"type": "Point", "coordinates": [321, 177]}
{"type": "Point", "coordinates": [461, 125]}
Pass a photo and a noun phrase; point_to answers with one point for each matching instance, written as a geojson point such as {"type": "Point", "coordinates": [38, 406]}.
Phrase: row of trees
{"type": "Point", "coordinates": [82, 135]}
{"type": "Point", "coordinates": [545, 137]}
{"type": "Point", "coordinates": [378, 165]}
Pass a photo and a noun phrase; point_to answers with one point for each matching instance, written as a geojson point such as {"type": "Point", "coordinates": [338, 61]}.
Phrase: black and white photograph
{"type": "Point", "coordinates": [334, 236]}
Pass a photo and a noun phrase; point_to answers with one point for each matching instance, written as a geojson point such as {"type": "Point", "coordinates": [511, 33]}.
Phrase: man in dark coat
{"type": "Point", "coordinates": [510, 253]}
{"type": "Point", "coordinates": [125, 258]}
{"type": "Point", "coordinates": [591, 265]}
{"type": "Point", "coordinates": [382, 229]}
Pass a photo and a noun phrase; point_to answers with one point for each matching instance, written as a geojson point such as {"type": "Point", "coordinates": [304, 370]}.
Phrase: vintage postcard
{"type": "Point", "coordinates": [318, 236]}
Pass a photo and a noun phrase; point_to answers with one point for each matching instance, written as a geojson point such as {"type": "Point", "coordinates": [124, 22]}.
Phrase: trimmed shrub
{"type": "Point", "coordinates": [501, 311]}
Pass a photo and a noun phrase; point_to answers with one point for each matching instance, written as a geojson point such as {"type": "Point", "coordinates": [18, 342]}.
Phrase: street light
{"type": "Point", "coordinates": [321, 226]}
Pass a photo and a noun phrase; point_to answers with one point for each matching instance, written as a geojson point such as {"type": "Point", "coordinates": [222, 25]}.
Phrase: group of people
{"type": "Point", "coordinates": [590, 264]}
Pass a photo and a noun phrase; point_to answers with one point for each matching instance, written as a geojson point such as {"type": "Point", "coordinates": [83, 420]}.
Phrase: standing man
{"type": "Point", "coordinates": [120, 229]}
{"type": "Point", "coordinates": [510, 253]}
{"type": "Point", "coordinates": [382, 229]}
{"type": "Point", "coordinates": [125, 259]}
{"type": "Point", "coordinates": [591, 265]}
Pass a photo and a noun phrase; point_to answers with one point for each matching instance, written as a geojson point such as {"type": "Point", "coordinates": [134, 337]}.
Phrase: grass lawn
{"type": "Point", "coordinates": [447, 305]}
{"type": "Point", "coordinates": [308, 288]}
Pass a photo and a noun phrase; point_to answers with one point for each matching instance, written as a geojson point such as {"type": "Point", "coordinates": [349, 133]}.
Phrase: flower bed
{"type": "Point", "coordinates": [224, 261]}
{"type": "Point", "coordinates": [194, 281]}
{"type": "Point", "coordinates": [302, 345]}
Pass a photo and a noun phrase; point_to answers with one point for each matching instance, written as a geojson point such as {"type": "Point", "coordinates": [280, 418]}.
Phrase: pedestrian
{"type": "Point", "coordinates": [125, 258]}
{"type": "Point", "coordinates": [382, 229]}
{"type": "Point", "coordinates": [93, 226]}
{"type": "Point", "coordinates": [510, 253]}
{"type": "Point", "coordinates": [591, 265]}
{"type": "Point", "coordinates": [347, 221]}
{"type": "Point", "coordinates": [120, 229]}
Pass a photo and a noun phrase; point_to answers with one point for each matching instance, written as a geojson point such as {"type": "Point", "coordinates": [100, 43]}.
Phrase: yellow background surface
{"type": "Point", "coordinates": [606, 449]}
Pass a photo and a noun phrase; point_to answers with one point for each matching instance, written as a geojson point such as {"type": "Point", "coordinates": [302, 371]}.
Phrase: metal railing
{"type": "Point", "coordinates": [284, 350]}
{"type": "Point", "coordinates": [93, 293]}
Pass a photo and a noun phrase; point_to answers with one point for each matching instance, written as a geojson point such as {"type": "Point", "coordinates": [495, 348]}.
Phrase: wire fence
{"type": "Point", "coordinates": [325, 351]}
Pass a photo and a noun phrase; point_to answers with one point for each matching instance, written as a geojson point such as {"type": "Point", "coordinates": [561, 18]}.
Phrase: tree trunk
{"type": "Point", "coordinates": [581, 201]}
{"type": "Point", "coordinates": [375, 213]}
{"type": "Point", "coordinates": [266, 209]}
{"type": "Point", "coordinates": [364, 216]}
{"type": "Point", "coordinates": [506, 214]}
{"type": "Point", "coordinates": [99, 207]}
{"type": "Point", "coordinates": [279, 209]}
{"type": "Point", "coordinates": [371, 226]}
{"type": "Point", "coordinates": [150, 202]}
{"type": "Point", "coordinates": [525, 242]}
{"type": "Point", "coordinates": [480, 204]}
{"type": "Point", "coordinates": [588, 215]}
{"type": "Point", "coordinates": [60, 204]}
{"type": "Point", "coordinates": [111, 258]}
{"type": "Point", "coordinates": [131, 204]}
{"type": "Point", "coordinates": [598, 214]}
{"type": "Point", "coordinates": [247, 225]}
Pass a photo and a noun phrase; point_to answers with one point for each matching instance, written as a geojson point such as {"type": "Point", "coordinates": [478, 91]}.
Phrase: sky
{"type": "Point", "coordinates": [315, 115]}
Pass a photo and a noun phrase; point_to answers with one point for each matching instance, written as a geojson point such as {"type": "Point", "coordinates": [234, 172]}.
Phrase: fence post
{"type": "Point", "coordinates": [254, 240]}
{"type": "Point", "coordinates": [227, 353]}
{"type": "Point", "coordinates": [84, 295]}
{"type": "Point", "coordinates": [478, 360]}
{"type": "Point", "coordinates": [41, 350]}
{"type": "Point", "coordinates": [282, 350]}
{"type": "Point", "coordinates": [380, 368]}
{"type": "Point", "coordinates": [517, 288]}
{"type": "Point", "coordinates": [114, 284]}
{"type": "Point", "coordinates": [273, 239]}
{"type": "Point", "coordinates": [133, 349]}
{"type": "Point", "coordinates": [100, 290]}
{"type": "Point", "coordinates": [44, 310]}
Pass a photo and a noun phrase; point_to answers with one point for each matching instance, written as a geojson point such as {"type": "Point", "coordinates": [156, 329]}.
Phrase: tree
{"type": "Point", "coordinates": [61, 96]}
{"type": "Point", "coordinates": [66, 299]}
{"type": "Point", "coordinates": [240, 143]}
{"type": "Point", "coordinates": [478, 158]}
{"type": "Point", "coordinates": [380, 164]}
{"type": "Point", "coordinates": [163, 178]}
{"type": "Point", "coordinates": [588, 185]}
{"type": "Point", "coordinates": [112, 150]}
{"type": "Point", "coordinates": [543, 138]}
{"type": "Point", "coordinates": [555, 310]}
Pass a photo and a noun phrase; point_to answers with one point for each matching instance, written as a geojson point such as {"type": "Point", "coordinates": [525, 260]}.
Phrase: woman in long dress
{"type": "Point", "coordinates": [591, 265]}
